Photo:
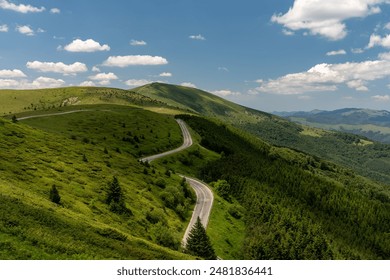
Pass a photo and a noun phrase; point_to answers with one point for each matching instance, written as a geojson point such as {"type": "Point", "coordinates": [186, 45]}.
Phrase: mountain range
{"type": "Point", "coordinates": [373, 124]}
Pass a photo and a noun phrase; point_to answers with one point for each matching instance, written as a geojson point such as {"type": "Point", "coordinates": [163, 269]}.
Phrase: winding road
{"type": "Point", "coordinates": [204, 196]}
{"type": "Point", "coordinates": [187, 142]}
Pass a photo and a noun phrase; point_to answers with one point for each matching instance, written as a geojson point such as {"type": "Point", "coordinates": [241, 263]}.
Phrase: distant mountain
{"type": "Point", "coordinates": [374, 124]}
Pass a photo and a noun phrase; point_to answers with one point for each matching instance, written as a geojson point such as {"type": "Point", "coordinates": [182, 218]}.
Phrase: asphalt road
{"type": "Point", "coordinates": [187, 142]}
{"type": "Point", "coordinates": [51, 114]}
{"type": "Point", "coordinates": [204, 203]}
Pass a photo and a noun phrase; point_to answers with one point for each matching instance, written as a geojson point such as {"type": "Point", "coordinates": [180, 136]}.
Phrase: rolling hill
{"type": "Point", "coordinates": [283, 190]}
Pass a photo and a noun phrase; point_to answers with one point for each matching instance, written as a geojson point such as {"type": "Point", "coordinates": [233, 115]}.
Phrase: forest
{"type": "Point", "coordinates": [296, 206]}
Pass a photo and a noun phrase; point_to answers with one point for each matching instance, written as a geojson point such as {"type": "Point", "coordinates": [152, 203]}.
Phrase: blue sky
{"type": "Point", "coordinates": [269, 55]}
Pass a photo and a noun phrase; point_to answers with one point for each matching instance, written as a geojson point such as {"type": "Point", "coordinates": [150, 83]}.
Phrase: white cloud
{"type": "Point", "coordinates": [376, 40]}
{"type": "Point", "coordinates": [188, 84]}
{"type": "Point", "coordinates": [41, 82]}
{"type": "Point", "coordinates": [88, 45]}
{"type": "Point", "coordinates": [381, 98]}
{"type": "Point", "coordinates": [95, 69]}
{"type": "Point", "coordinates": [226, 92]}
{"type": "Point", "coordinates": [326, 18]}
{"type": "Point", "coordinates": [221, 68]}
{"type": "Point", "coordinates": [326, 77]}
{"type": "Point", "coordinates": [21, 8]}
{"type": "Point", "coordinates": [4, 28]}
{"type": "Point", "coordinates": [357, 51]}
{"type": "Point", "coordinates": [197, 37]}
{"type": "Point", "coordinates": [55, 11]}
{"type": "Point", "coordinates": [87, 84]}
{"type": "Point", "coordinates": [165, 74]}
{"type": "Point", "coordinates": [138, 43]}
{"type": "Point", "coordinates": [137, 83]}
{"type": "Point", "coordinates": [288, 32]}
{"type": "Point", "coordinates": [339, 52]}
{"type": "Point", "coordinates": [58, 67]}
{"type": "Point", "coordinates": [104, 77]}
{"type": "Point", "coordinates": [44, 82]}
{"type": "Point", "coordinates": [131, 60]}
{"type": "Point", "coordinates": [25, 30]}
{"type": "Point", "coordinates": [384, 56]}
{"type": "Point", "coordinates": [12, 74]}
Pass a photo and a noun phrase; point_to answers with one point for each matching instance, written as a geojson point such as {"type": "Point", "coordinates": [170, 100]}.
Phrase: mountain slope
{"type": "Point", "coordinates": [366, 157]}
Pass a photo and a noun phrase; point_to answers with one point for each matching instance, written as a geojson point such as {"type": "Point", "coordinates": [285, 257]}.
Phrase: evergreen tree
{"type": "Point", "coordinates": [198, 243]}
{"type": "Point", "coordinates": [14, 119]}
{"type": "Point", "coordinates": [115, 198]}
{"type": "Point", "coordinates": [54, 195]}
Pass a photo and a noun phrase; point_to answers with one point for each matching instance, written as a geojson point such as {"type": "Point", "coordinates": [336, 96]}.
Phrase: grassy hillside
{"type": "Point", "coordinates": [17, 101]}
{"type": "Point", "coordinates": [79, 154]}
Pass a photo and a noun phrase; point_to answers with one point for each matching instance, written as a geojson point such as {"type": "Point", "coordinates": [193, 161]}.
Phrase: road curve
{"type": "Point", "coordinates": [187, 142]}
{"type": "Point", "coordinates": [204, 203]}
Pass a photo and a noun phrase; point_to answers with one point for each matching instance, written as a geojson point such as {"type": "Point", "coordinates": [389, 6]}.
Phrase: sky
{"type": "Point", "coordinates": [271, 55]}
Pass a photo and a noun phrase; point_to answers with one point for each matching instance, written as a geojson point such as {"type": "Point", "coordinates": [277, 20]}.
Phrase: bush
{"type": "Point", "coordinates": [54, 195]}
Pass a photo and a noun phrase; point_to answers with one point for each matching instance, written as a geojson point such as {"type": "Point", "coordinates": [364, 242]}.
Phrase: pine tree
{"type": "Point", "coordinates": [198, 243]}
{"type": "Point", "coordinates": [115, 198]}
{"type": "Point", "coordinates": [54, 195]}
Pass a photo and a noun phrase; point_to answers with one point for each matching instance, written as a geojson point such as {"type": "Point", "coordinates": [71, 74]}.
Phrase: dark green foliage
{"type": "Point", "coordinates": [54, 195]}
{"type": "Point", "coordinates": [223, 189]}
{"type": "Point", "coordinates": [85, 158]}
{"type": "Point", "coordinates": [115, 198]}
{"type": "Point", "coordinates": [297, 206]}
{"type": "Point", "coordinates": [163, 236]}
{"type": "Point", "coordinates": [198, 243]}
{"type": "Point", "coordinates": [14, 119]}
{"type": "Point", "coordinates": [160, 182]}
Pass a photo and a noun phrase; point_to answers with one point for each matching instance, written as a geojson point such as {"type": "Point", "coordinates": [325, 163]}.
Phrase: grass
{"type": "Point", "coordinates": [80, 154]}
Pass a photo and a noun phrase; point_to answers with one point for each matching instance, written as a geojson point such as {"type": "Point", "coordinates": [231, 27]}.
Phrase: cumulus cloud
{"type": "Point", "coordinates": [327, 77]}
{"type": "Point", "coordinates": [104, 76]}
{"type": "Point", "coordinates": [57, 67]}
{"type": "Point", "coordinates": [188, 84]}
{"type": "Point", "coordinates": [41, 82]}
{"type": "Point", "coordinates": [25, 30]}
{"type": "Point", "coordinates": [87, 84]}
{"type": "Point", "coordinates": [381, 98]}
{"type": "Point", "coordinates": [4, 28]}
{"type": "Point", "coordinates": [339, 52]}
{"type": "Point", "coordinates": [165, 74]}
{"type": "Point", "coordinates": [138, 43]}
{"type": "Point", "coordinates": [55, 11]}
{"type": "Point", "coordinates": [137, 83]}
{"type": "Point", "coordinates": [95, 69]}
{"type": "Point", "coordinates": [88, 45]}
{"type": "Point", "coordinates": [326, 18]}
{"type": "Point", "coordinates": [376, 40]}
{"type": "Point", "coordinates": [132, 60]}
{"type": "Point", "coordinates": [21, 8]}
{"type": "Point", "coordinates": [225, 92]}
{"type": "Point", "coordinates": [12, 74]}
{"type": "Point", "coordinates": [197, 37]}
